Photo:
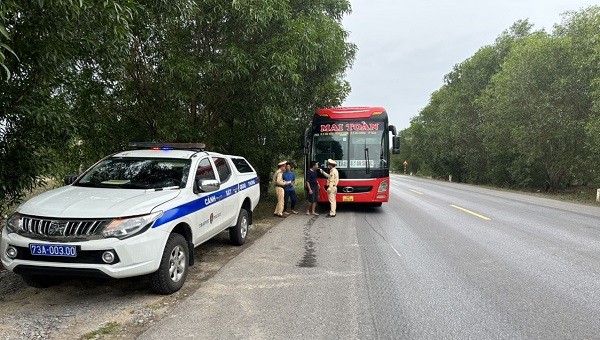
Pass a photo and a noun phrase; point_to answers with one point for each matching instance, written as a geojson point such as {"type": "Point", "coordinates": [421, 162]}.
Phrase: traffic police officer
{"type": "Point", "coordinates": [333, 178]}
{"type": "Point", "coordinates": [279, 183]}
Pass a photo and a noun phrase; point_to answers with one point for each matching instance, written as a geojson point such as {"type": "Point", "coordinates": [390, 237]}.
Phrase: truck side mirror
{"type": "Point", "coordinates": [69, 179]}
{"type": "Point", "coordinates": [207, 185]}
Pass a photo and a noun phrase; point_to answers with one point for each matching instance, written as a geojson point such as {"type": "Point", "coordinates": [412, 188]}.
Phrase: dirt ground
{"type": "Point", "coordinates": [105, 309]}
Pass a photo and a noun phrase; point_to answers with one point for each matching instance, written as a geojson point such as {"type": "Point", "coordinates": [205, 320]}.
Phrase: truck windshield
{"type": "Point", "coordinates": [137, 173]}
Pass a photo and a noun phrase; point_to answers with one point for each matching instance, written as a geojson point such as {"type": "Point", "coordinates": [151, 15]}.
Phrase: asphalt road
{"type": "Point", "coordinates": [439, 261]}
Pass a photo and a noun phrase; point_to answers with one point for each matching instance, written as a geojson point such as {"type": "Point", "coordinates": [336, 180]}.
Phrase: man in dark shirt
{"type": "Point", "coordinates": [313, 188]}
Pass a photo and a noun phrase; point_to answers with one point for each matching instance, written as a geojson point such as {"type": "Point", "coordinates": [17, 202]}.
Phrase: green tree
{"type": "Point", "coordinates": [6, 9]}
{"type": "Point", "coordinates": [581, 28]}
{"type": "Point", "coordinates": [406, 154]}
{"type": "Point", "coordinates": [536, 111]}
{"type": "Point", "coordinates": [242, 76]}
{"type": "Point", "coordinates": [521, 112]}
{"type": "Point", "coordinates": [46, 42]}
{"type": "Point", "coordinates": [447, 132]}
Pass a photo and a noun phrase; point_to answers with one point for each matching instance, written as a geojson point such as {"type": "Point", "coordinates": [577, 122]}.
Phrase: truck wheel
{"type": "Point", "coordinates": [173, 269]}
{"type": "Point", "coordinates": [39, 281]}
{"type": "Point", "coordinates": [238, 233]}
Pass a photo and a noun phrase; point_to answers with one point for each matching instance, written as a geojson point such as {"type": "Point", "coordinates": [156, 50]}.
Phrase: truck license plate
{"type": "Point", "coordinates": [53, 250]}
{"type": "Point", "coordinates": [348, 198]}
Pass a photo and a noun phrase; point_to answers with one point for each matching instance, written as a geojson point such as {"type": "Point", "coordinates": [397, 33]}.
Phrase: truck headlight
{"type": "Point", "coordinates": [128, 226]}
{"type": "Point", "coordinates": [14, 223]}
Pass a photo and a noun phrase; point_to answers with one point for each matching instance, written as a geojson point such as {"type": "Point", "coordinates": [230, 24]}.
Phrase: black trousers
{"type": "Point", "coordinates": [291, 195]}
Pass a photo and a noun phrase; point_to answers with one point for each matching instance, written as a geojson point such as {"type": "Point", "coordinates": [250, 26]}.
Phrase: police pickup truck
{"type": "Point", "coordinates": [133, 213]}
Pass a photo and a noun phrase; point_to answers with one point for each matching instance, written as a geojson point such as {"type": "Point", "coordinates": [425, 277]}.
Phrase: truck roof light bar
{"type": "Point", "coordinates": [167, 146]}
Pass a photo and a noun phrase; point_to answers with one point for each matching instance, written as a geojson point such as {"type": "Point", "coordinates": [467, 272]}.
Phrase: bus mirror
{"type": "Point", "coordinates": [395, 145]}
{"type": "Point", "coordinates": [392, 129]}
{"type": "Point", "coordinates": [304, 141]}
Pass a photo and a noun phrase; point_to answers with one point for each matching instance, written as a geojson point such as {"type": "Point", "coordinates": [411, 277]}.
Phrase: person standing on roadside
{"type": "Point", "coordinates": [333, 178]}
{"type": "Point", "coordinates": [313, 188]}
{"type": "Point", "coordinates": [289, 190]}
{"type": "Point", "coordinates": [279, 184]}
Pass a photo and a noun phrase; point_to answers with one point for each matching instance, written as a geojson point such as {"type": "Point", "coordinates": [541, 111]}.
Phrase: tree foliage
{"type": "Point", "coordinates": [86, 77]}
{"type": "Point", "coordinates": [520, 112]}
{"type": "Point", "coordinates": [46, 41]}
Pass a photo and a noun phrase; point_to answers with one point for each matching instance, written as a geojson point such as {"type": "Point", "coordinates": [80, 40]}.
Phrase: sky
{"type": "Point", "coordinates": [406, 47]}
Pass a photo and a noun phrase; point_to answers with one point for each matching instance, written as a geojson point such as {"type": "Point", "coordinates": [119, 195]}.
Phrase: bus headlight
{"type": "Point", "coordinates": [383, 186]}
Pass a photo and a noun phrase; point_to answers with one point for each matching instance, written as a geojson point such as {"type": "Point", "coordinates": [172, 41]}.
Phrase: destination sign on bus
{"type": "Point", "coordinates": [361, 163]}
{"type": "Point", "coordinates": [344, 127]}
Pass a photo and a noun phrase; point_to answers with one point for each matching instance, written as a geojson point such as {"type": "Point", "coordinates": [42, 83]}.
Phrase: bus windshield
{"type": "Point", "coordinates": [352, 149]}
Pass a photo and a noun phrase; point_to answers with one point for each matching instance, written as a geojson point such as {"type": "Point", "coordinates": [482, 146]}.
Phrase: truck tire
{"type": "Point", "coordinates": [173, 268]}
{"type": "Point", "coordinates": [238, 233]}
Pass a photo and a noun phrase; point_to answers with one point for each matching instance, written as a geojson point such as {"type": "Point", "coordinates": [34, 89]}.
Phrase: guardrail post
{"type": "Point", "coordinates": [449, 178]}
{"type": "Point", "coordinates": [597, 195]}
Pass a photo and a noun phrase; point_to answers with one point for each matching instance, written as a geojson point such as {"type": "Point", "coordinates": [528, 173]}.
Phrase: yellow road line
{"type": "Point", "coordinates": [472, 213]}
{"type": "Point", "coordinates": [415, 191]}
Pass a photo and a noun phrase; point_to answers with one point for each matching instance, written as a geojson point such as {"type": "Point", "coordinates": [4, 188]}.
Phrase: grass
{"type": "Point", "coordinates": [584, 195]}
{"type": "Point", "coordinates": [106, 329]}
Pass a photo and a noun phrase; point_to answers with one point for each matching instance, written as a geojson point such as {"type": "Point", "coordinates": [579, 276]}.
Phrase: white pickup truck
{"type": "Point", "coordinates": [133, 213]}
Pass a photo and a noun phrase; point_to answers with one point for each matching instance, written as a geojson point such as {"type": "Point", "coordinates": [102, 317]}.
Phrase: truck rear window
{"type": "Point", "coordinates": [242, 165]}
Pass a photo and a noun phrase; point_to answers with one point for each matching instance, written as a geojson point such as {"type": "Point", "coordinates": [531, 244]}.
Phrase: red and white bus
{"type": "Point", "coordinates": [357, 138]}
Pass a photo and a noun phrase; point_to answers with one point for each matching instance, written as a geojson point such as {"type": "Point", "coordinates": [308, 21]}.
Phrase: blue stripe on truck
{"type": "Point", "coordinates": [203, 202]}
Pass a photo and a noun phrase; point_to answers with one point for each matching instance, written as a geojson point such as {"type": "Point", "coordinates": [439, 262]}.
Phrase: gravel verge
{"type": "Point", "coordinates": [105, 309]}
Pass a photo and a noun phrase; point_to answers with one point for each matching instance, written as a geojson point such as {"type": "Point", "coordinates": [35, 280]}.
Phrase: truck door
{"type": "Point", "coordinates": [229, 183]}
{"type": "Point", "coordinates": [209, 214]}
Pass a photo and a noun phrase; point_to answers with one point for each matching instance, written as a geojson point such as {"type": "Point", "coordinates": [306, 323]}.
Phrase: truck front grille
{"type": "Point", "coordinates": [62, 228]}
